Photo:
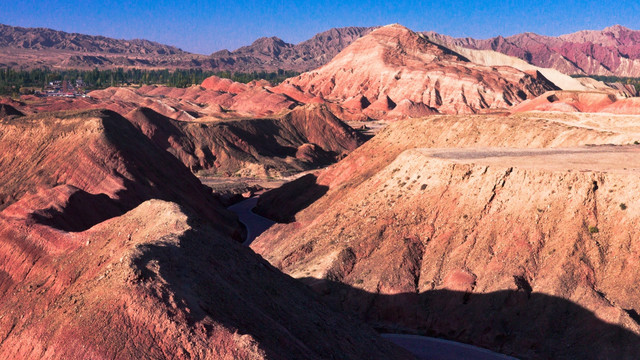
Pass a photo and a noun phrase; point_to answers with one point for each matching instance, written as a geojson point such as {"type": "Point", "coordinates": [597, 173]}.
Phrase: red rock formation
{"type": "Point", "coordinates": [393, 64]}
{"type": "Point", "coordinates": [463, 243]}
{"type": "Point", "coordinates": [157, 282]}
{"type": "Point", "coordinates": [161, 281]}
{"type": "Point", "coordinates": [216, 97]}
{"type": "Point", "coordinates": [253, 146]}
{"type": "Point", "coordinates": [94, 153]}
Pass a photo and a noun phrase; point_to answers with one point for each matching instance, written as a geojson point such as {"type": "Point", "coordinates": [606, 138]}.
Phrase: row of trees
{"type": "Point", "coordinates": [13, 81]}
{"type": "Point", "coordinates": [613, 79]}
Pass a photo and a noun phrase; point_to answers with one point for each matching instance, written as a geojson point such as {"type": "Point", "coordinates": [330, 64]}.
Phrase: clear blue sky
{"type": "Point", "coordinates": [203, 26]}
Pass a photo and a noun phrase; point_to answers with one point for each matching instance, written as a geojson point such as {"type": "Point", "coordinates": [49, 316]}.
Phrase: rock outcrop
{"type": "Point", "coordinates": [470, 243]}
{"type": "Point", "coordinates": [394, 65]}
{"type": "Point", "coordinates": [91, 154]}
{"type": "Point", "coordinates": [305, 138]}
{"type": "Point", "coordinates": [96, 262]}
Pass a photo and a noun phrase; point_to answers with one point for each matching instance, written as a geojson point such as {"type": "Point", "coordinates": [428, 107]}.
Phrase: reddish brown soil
{"type": "Point", "coordinates": [78, 275]}
{"type": "Point", "coordinates": [305, 138]}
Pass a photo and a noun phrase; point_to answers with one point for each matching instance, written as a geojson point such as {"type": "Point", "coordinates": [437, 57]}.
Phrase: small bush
{"type": "Point", "coordinates": [593, 229]}
{"type": "Point", "coordinates": [623, 206]}
{"type": "Point", "coordinates": [636, 142]}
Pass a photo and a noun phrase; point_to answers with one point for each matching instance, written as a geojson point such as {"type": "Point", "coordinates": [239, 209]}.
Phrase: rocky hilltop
{"type": "Point", "coordinates": [222, 127]}
{"type": "Point", "coordinates": [395, 72]}
{"type": "Point", "coordinates": [515, 240]}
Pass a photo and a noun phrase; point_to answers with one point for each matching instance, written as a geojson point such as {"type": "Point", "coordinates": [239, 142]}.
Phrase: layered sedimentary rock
{"type": "Point", "coordinates": [525, 251]}
{"type": "Point", "coordinates": [305, 138]}
{"type": "Point", "coordinates": [95, 262]}
{"type": "Point", "coordinates": [393, 65]}
{"type": "Point", "coordinates": [93, 154]}
{"type": "Point", "coordinates": [612, 51]}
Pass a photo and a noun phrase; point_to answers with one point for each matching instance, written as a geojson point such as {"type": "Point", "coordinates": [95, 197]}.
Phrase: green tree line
{"type": "Point", "coordinates": [613, 79]}
{"type": "Point", "coordinates": [12, 82]}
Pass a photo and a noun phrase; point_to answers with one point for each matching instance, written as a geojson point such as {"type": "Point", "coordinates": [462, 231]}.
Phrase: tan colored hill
{"type": "Point", "coordinates": [562, 81]}
{"type": "Point", "coordinates": [393, 73]}
{"type": "Point", "coordinates": [96, 262]}
{"type": "Point", "coordinates": [464, 228]}
{"type": "Point", "coordinates": [581, 101]}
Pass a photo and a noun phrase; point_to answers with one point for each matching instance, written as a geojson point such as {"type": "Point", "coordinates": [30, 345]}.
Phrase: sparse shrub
{"type": "Point", "coordinates": [636, 142]}
{"type": "Point", "coordinates": [623, 206]}
{"type": "Point", "coordinates": [358, 281]}
{"type": "Point", "coordinates": [593, 229]}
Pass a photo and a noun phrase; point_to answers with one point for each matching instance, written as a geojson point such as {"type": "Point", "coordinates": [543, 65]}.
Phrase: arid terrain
{"type": "Point", "coordinates": [407, 183]}
{"type": "Point", "coordinates": [465, 227]}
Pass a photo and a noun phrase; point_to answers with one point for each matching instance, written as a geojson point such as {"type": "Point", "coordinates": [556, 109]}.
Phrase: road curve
{"type": "Point", "coordinates": [421, 346]}
{"type": "Point", "coordinates": [255, 223]}
{"type": "Point", "coordinates": [439, 349]}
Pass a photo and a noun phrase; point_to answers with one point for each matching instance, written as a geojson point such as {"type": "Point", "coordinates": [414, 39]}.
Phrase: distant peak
{"type": "Point", "coordinates": [392, 29]}
{"type": "Point", "coordinates": [616, 28]}
{"type": "Point", "coordinates": [269, 40]}
{"type": "Point", "coordinates": [395, 26]}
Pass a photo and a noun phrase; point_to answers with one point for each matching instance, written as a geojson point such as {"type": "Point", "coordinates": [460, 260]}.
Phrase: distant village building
{"type": "Point", "coordinates": [64, 88]}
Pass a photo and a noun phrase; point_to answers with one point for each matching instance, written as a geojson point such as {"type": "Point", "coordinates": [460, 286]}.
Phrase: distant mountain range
{"type": "Point", "coordinates": [273, 53]}
{"type": "Point", "coordinates": [46, 39]}
{"type": "Point", "coordinates": [612, 51]}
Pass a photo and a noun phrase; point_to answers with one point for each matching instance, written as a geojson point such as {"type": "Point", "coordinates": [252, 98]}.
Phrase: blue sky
{"type": "Point", "coordinates": [205, 26]}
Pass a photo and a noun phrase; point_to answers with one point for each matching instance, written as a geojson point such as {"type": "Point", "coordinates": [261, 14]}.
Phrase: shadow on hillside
{"type": "Point", "coordinates": [282, 204]}
{"type": "Point", "coordinates": [517, 323]}
{"type": "Point", "coordinates": [145, 171]}
{"type": "Point", "coordinates": [205, 281]}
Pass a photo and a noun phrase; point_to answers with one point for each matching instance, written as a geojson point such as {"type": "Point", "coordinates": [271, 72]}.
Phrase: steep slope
{"type": "Point", "coordinates": [7, 110]}
{"type": "Point", "coordinates": [468, 243]}
{"type": "Point", "coordinates": [158, 281]}
{"type": "Point", "coordinates": [562, 81]}
{"type": "Point", "coordinates": [305, 138]}
{"type": "Point", "coordinates": [97, 154]}
{"type": "Point", "coordinates": [395, 67]}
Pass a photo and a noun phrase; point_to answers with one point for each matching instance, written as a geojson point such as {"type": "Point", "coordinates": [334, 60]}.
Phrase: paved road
{"type": "Point", "coordinates": [255, 223]}
{"type": "Point", "coordinates": [438, 349]}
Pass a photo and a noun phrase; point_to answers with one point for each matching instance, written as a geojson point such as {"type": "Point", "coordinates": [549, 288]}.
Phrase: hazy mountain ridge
{"type": "Point", "coordinates": [43, 38]}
